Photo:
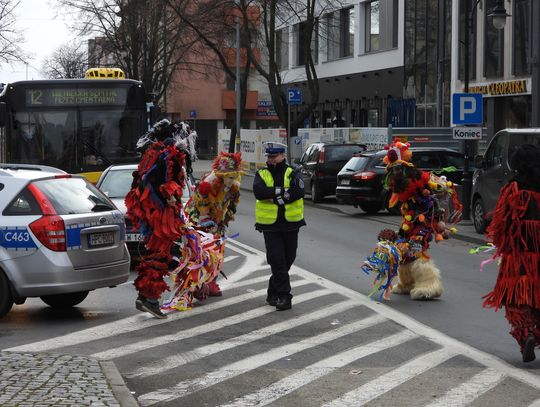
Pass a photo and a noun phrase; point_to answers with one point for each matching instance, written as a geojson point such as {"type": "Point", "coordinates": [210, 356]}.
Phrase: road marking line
{"type": "Point", "coordinates": [138, 322]}
{"type": "Point", "coordinates": [467, 392]}
{"type": "Point", "coordinates": [177, 360]}
{"type": "Point", "coordinates": [388, 381]}
{"type": "Point", "coordinates": [229, 258]}
{"type": "Point", "coordinates": [319, 369]}
{"type": "Point", "coordinates": [141, 345]}
{"type": "Point", "coordinates": [248, 364]}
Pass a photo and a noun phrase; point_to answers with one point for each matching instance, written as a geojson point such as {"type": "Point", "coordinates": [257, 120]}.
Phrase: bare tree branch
{"type": "Point", "coordinates": [67, 62]}
{"type": "Point", "coordinates": [10, 37]}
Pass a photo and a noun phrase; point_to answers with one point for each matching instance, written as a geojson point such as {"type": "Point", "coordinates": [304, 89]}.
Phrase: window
{"type": "Point", "coordinates": [372, 26]}
{"type": "Point", "coordinates": [494, 46]}
{"type": "Point", "coordinates": [24, 204]}
{"type": "Point", "coordinates": [340, 34]}
{"type": "Point", "coordinates": [282, 48]}
{"type": "Point", "coordinates": [521, 26]}
{"type": "Point", "coordinates": [494, 153]}
{"type": "Point", "coordinates": [300, 33]}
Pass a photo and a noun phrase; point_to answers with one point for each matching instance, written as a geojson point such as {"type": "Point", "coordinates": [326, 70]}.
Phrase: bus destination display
{"type": "Point", "coordinates": [73, 97]}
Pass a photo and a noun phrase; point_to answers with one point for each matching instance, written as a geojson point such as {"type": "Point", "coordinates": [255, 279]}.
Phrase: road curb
{"type": "Point", "coordinates": [118, 386]}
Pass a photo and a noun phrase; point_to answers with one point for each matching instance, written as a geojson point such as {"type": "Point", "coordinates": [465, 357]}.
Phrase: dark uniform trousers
{"type": "Point", "coordinates": [280, 254]}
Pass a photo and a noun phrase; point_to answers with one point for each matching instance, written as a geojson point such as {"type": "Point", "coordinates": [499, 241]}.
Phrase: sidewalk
{"type": "Point", "coordinates": [465, 228]}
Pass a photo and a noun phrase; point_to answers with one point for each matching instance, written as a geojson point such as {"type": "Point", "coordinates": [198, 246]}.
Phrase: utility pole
{"type": "Point", "coordinates": [238, 96]}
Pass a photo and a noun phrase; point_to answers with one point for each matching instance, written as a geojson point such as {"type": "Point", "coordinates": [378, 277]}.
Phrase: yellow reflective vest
{"type": "Point", "coordinates": [266, 211]}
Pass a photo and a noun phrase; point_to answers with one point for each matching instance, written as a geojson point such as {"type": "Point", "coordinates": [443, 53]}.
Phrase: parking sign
{"type": "Point", "coordinates": [294, 96]}
{"type": "Point", "coordinates": [467, 108]}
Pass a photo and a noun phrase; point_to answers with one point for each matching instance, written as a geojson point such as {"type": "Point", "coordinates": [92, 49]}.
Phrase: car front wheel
{"type": "Point", "coordinates": [479, 216]}
{"type": "Point", "coordinates": [6, 300]}
{"type": "Point", "coordinates": [61, 301]}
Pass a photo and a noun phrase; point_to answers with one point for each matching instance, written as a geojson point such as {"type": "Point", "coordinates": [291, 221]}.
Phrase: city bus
{"type": "Point", "coordinates": [78, 125]}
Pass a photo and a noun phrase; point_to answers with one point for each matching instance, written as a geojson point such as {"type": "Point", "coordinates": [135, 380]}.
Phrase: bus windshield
{"type": "Point", "coordinates": [77, 125]}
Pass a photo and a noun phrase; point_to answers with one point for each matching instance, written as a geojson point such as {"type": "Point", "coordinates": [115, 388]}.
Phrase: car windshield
{"type": "Point", "coordinates": [73, 195]}
{"type": "Point", "coordinates": [341, 153]}
{"type": "Point", "coordinates": [356, 163]}
{"type": "Point", "coordinates": [117, 183]}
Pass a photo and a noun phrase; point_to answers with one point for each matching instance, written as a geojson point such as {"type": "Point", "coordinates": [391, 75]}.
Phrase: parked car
{"type": "Point", "coordinates": [360, 181]}
{"type": "Point", "coordinates": [493, 171]}
{"type": "Point", "coordinates": [60, 237]}
{"type": "Point", "coordinates": [115, 182]}
{"type": "Point", "coordinates": [320, 164]}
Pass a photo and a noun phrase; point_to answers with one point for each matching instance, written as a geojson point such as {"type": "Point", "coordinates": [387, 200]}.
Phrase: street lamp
{"type": "Point", "coordinates": [498, 16]}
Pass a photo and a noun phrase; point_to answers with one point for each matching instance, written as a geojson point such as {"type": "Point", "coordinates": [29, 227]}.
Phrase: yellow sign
{"type": "Point", "coordinates": [516, 87]}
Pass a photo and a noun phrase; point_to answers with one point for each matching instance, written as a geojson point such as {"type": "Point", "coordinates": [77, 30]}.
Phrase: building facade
{"type": "Point", "coordinates": [500, 65]}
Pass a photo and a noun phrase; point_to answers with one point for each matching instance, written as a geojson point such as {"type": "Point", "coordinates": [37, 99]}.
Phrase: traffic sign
{"type": "Point", "coordinates": [467, 108]}
{"type": "Point", "coordinates": [467, 133]}
{"type": "Point", "coordinates": [193, 113]}
{"type": "Point", "coordinates": [294, 96]}
{"type": "Point", "coordinates": [297, 140]}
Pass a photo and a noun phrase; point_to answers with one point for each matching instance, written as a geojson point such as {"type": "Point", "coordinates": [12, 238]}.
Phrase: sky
{"type": "Point", "coordinates": [44, 33]}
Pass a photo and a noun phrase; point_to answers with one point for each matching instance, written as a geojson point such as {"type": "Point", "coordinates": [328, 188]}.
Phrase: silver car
{"type": "Point", "coordinates": [60, 237]}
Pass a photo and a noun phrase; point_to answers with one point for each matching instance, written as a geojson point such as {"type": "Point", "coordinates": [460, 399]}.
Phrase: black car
{"type": "Point", "coordinates": [320, 164]}
{"type": "Point", "coordinates": [360, 181]}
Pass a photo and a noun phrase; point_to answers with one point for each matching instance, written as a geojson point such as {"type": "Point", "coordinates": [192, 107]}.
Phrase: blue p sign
{"type": "Point", "coordinates": [467, 108]}
{"type": "Point", "coordinates": [294, 96]}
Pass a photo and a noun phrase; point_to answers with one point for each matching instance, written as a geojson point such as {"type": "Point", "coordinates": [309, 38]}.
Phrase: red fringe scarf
{"type": "Point", "coordinates": [515, 231]}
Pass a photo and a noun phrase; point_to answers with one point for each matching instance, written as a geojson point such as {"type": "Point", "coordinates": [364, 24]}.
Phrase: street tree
{"type": "Point", "coordinates": [213, 25]}
{"type": "Point", "coordinates": [69, 61]}
{"type": "Point", "coordinates": [306, 16]}
{"type": "Point", "coordinates": [143, 38]}
{"type": "Point", "coordinates": [11, 38]}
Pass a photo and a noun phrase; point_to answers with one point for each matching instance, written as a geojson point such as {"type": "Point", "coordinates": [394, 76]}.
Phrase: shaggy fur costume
{"type": "Point", "coordinates": [424, 208]}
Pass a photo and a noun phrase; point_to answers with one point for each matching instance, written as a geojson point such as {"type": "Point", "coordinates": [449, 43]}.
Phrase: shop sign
{"type": "Point", "coordinates": [504, 88]}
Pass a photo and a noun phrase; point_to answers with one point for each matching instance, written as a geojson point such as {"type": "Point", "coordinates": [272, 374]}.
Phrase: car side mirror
{"type": "Point", "coordinates": [479, 161]}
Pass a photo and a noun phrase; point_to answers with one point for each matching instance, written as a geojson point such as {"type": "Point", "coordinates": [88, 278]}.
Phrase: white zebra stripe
{"type": "Point", "coordinates": [177, 360]}
{"type": "Point", "coordinates": [248, 364]}
{"type": "Point", "coordinates": [141, 321]}
{"type": "Point", "coordinates": [468, 391]}
{"type": "Point", "coordinates": [142, 345]}
{"type": "Point", "coordinates": [388, 381]}
{"type": "Point", "coordinates": [315, 371]}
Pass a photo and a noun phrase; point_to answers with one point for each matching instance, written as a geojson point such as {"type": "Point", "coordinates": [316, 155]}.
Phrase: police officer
{"type": "Point", "coordinates": [279, 214]}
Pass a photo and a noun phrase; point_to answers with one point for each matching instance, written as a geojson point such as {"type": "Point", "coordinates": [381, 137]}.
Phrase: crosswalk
{"type": "Point", "coordinates": [334, 348]}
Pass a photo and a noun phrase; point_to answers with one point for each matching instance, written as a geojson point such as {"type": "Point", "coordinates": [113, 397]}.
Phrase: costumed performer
{"type": "Point", "coordinates": [425, 214]}
{"type": "Point", "coordinates": [515, 231]}
{"type": "Point", "coordinates": [154, 206]}
{"type": "Point", "coordinates": [214, 203]}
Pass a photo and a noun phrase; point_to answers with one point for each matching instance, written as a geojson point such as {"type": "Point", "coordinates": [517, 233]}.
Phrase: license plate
{"type": "Point", "coordinates": [134, 237]}
{"type": "Point", "coordinates": [101, 239]}
{"type": "Point", "coordinates": [345, 181]}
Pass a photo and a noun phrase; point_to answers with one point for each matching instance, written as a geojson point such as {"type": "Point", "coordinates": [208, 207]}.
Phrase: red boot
{"type": "Point", "coordinates": [214, 290]}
